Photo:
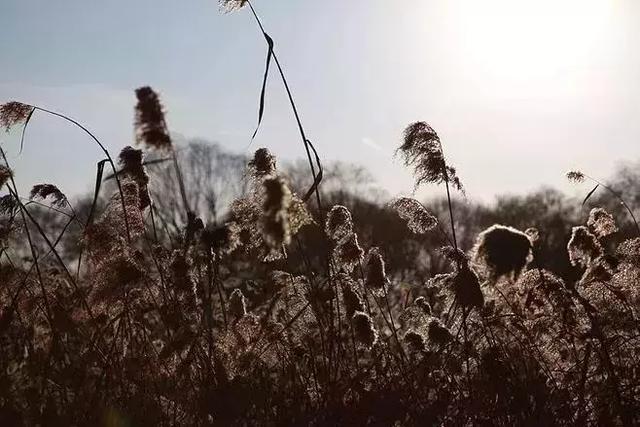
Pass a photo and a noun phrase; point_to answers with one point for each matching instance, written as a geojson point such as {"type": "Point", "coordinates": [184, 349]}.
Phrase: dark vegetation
{"type": "Point", "coordinates": [200, 287]}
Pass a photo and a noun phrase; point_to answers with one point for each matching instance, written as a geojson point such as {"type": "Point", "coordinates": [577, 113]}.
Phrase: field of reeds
{"type": "Point", "coordinates": [295, 305]}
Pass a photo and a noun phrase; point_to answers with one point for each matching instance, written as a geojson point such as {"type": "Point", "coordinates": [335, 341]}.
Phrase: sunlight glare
{"type": "Point", "coordinates": [520, 41]}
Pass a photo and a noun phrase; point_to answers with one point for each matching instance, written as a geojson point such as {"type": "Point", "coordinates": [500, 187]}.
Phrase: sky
{"type": "Point", "coordinates": [520, 91]}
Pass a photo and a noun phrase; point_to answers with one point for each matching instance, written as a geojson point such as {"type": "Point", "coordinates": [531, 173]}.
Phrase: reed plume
{"type": "Point", "coordinates": [13, 113]}
{"type": "Point", "coordinates": [339, 224]}
{"type": "Point", "coordinates": [501, 250]}
{"type": "Point", "coordinates": [44, 191]}
{"type": "Point", "coordinates": [275, 216]}
{"type": "Point", "coordinates": [263, 163]}
{"type": "Point", "coordinates": [348, 254]}
{"type": "Point", "coordinates": [221, 239]}
{"type": "Point", "coordinates": [131, 161]}
{"type": "Point", "coordinates": [5, 175]}
{"type": "Point", "coordinates": [418, 218]}
{"type": "Point", "coordinates": [376, 276]}
{"type": "Point", "coordinates": [350, 296]}
{"type": "Point", "coordinates": [364, 329]}
{"type": "Point", "coordinates": [8, 204]}
{"type": "Point", "coordinates": [601, 223]}
{"type": "Point", "coordinates": [583, 247]}
{"type": "Point", "coordinates": [575, 176]}
{"type": "Point", "coordinates": [151, 128]}
{"type": "Point", "coordinates": [422, 150]}
{"type": "Point", "coordinates": [231, 5]}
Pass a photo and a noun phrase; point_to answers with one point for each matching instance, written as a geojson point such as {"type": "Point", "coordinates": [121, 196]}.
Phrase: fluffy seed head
{"type": "Point", "coordinates": [601, 222]}
{"type": "Point", "coordinates": [43, 191]}
{"type": "Point", "coordinates": [150, 125]}
{"type": "Point", "coordinates": [115, 276]}
{"type": "Point", "coordinates": [629, 251]}
{"type": "Point", "coordinates": [13, 113]}
{"type": "Point", "coordinates": [263, 163]}
{"type": "Point", "coordinates": [275, 218]}
{"type": "Point", "coordinates": [277, 195]}
{"type": "Point", "coordinates": [376, 278]}
{"type": "Point", "coordinates": [104, 235]}
{"type": "Point", "coordinates": [422, 150]}
{"type": "Point", "coordinates": [575, 176]}
{"type": "Point", "coordinates": [231, 5]}
{"type": "Point", "coordinates": [6, 229]}
{"type": "Point", "coordinates": [298, 214]}
{"type": "Point", "coordinates": [422, 303]}
{"type": "Point", "coordinates": [130, 160]}
{"type": "Point", "coordinates": [363, 329]}
{"type": "Point", "coordinates": [539, 287]}
{"type": "Point", "coordinates": [534, 278]}
{"type": "Point", "coordinates": [418, 218]}
{"type": "Point", "coordinates": [502, 250]}
{"type": "Point", "coordinates": [466, 287]}
{"type": "Point", "coordinates": [583, 247]}
{"type": "Point", "coordinates": [5, 175]}
{"type": "Point", "coordinates": [348, 253]}
{"type": "Point", "coordinates": [8, 204]}
{"type": "Point", "coordinates": [352, 301]}
{"type": "Point", "coordinates": [454, 256]}
{"type": "Point", "coordinates": [339, 223]}
{"type": "Point", "coordinates": [221, 239]}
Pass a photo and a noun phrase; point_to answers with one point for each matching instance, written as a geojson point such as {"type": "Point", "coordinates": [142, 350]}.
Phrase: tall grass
{"type": "Point", "coordinates": [216, 324]}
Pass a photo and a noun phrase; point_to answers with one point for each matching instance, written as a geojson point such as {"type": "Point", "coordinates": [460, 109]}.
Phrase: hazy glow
{"type": "Point", "coordinates": [516, 41]}
{"type": "Point", "coordinates": [520, 90]}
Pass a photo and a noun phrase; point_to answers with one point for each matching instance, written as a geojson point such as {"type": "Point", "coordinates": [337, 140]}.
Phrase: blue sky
{"type": "Point", "coordinates": [519, 90]}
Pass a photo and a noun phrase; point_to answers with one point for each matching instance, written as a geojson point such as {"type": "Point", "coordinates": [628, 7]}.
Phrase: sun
{"type": "Point", "coordinates": [524, 41]}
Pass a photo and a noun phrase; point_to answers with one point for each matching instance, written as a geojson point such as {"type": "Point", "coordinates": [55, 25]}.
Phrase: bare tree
{"type": "Point", "coordinates": [213, 177]}
{"type": "Point", "coordinates": [338, 178]}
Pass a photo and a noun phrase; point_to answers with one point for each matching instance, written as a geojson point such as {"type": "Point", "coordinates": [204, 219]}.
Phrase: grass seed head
{"type": "Point", "coordinates": [150, 125]}
{"type": "Point", "coordinates": [275, 218]}
{"type": "Point", "coordinates": [601, 223]}
{"type": "Point", "coordinates": [131, 161]}
{"type": "Point", "coordinates": [13, 113]}
{"type": "Point", "coordinates": [418, 218]}
{"type": "Point", "coordinates": [44, 191]}
{"type": "Point", "coordinates": [629, 251]}
{"type": "Point", "coordinates": [376, 277]}
{"type": "Point", "coordinates": [232, 5]}
{"type": "Point", "coordinates": [348, 254]}
{"type": "Point", "coordinates": [5, 175]}
{"type": "Point", "coordinates": [583, 247]}
{"type": "Point", "coordinates": [576, 176]}
{"type": "Point", "coordinates": [221, 239]}
{"type": "Point", "coordinates": [466, 287]}
{"type": "Point", "coordinates": [8, 204]}
{"type": "Point", "coordinates": [422, 150]}
{"type": "Point", "coordinates": [501, 250]}
{"type": "Point", "coordinates": [263, 163]}
{"type": "Point", "coordinates": [339, 223]}
{"type": "Point", "coordinates": [363, 329]}
{"type": "Point", "coordinates": [352, 301]}
{"type": "Point", "coordinates": [422, 303]}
